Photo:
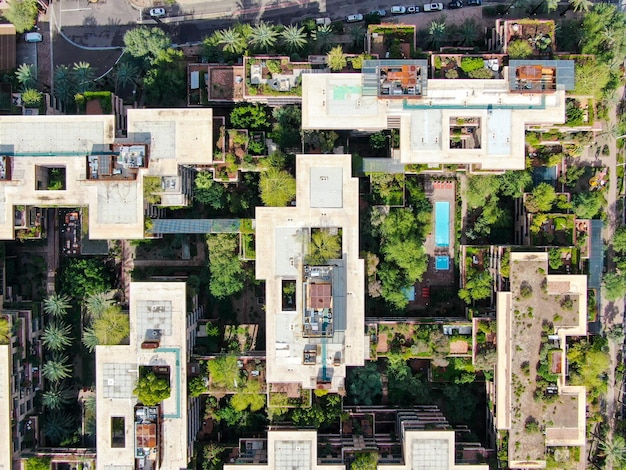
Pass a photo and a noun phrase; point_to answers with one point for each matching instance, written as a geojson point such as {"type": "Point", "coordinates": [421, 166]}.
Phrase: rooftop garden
{"type": "Point", "coordinates": [274, 76]}
{"type": "Point", "coordinates": [466, 67]}
{"type": "Point", "coordinates": [526, 38]}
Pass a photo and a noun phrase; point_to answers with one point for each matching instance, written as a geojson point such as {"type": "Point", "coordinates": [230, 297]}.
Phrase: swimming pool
{"type": "Point", "coordinates": [442, 263]}
{"type": "Point", "coordinates": [442, 223]}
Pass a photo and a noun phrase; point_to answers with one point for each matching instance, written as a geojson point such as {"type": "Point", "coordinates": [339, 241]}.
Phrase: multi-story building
{"type": "Point", "coordinates": [475, 122]}
{"type": "Point", "coordinates": [19, 382]}
{"type": "Point", "coordinates": [314, 310]}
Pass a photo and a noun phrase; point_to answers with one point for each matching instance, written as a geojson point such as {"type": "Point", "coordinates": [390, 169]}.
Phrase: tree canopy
{"type": "Point", "coordinates": [364, 385]}
{"type": "Point", "coordinates": [277, 187]}
{"type": "Point", "coordinates": [83, 276]}
{"type": "Point", "coordinates": [152, 389]}
{"type": "Point", "coordinates": [250, 116]}
{"type": "Point", "coordinates": [227, 275]}
{"type": "Point", "coordinates": [223, 372]}
{"type": "Point", "coordinates": [541, 199]}
{"type": "Point", "coordinates": [147, 43]}
{"type": "Point", "coordinates": [207, 191]}
{"type": "Point", "coordinates": [22, 14]}
{"type": "Point", "coordinates": [112, 327]}
{"type": "Point", "coordinates": [365, 461]}
{"type": "Point", "coordinates": [249, 396]}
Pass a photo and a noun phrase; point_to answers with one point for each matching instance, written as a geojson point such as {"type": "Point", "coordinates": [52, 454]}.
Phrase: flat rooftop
{"type": "Point", "coordinates": [157, 311]}
{"type": "Point", "coordinates": [346, 101]}
{"type": "Point", "coordinates": [533, 323]}
{"type": "Point", "coordinates": [85, 146]}
{"type": "Point", "coordinates": [329, 311]}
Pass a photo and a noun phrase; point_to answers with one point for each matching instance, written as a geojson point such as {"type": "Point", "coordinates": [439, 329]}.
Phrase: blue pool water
{"type": "Point", "coordinates": [442, 223]}
{"type": "Point", "coordinates": [442, 263]}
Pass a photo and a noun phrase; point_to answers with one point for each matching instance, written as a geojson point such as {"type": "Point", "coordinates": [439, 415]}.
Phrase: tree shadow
{"type": "Point", "coordinates": [90, 21]}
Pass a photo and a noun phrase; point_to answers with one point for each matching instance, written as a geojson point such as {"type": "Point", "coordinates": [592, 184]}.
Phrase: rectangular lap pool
{"type": "Point", "coordinates": [442, 263]}
{"type": "Point", "coordinates": [442, 223]}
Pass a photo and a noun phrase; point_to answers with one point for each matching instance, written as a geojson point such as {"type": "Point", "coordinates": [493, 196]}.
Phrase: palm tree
{"type": "Point", "coordinates": [57, 426]}
{"type": "Point", "coordinates": [57, 305]}
{"type": "Point", "coordinates": [63, 84]}
{"type": "Point", "coordinates": [336, 59]}
{"type": "Point", "coordinates": [98, 303]}
{"type": "Point", "coordinates": [294, 37]}
{"type": "Point", "coordinates": [90, 339]}
{"type": "Point", "coordinates": [27, 76]}
{"type": "Point", "coordinates": [615, 451]}
{"type": "Point", "coordinates": [323, 246]}
{"type": "Point", "coordinates": [578, 6]}
{"type": "Point", "coordinates": [357, 34]}
{"type": "Point", "coordinates": [437, 33]}
{"type": "Point", "coordinates": [5, 331]}
{"type": "Point", "coordinates": [324, 37]}
{"type": "Point", "coordinates": [468, 32]}
{"type": "Point", "coordinates": [125, 74]}
{"type": "Point", "coordinates": [83, 76]}
{"type": "Point", "coordinates": [55, 397]}
{"type": "Point", "coordinates": [231, 40]}
{"type": "Point", "coordinates": [56, 368]}
{"type": "Point", "coordinates": [263, 36]}
{"type": "Point", "coordinates": [56, 336]}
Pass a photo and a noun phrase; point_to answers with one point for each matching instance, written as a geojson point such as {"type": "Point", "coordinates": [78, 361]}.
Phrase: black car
{"type": "Point", "coordinates": [474, 3]}
{"type": "Point", "coordinates": [455, 4]}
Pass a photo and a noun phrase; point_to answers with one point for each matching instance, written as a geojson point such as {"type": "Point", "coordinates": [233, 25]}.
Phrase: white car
{"type": "Point", "coordinates": [433, 7]}
{"type": "Point", "coordinates": [398, 10]}
{"type": "Point", "coordinates": [354, 18]}
{"type": "Point", "coordinates": [157, 12]}
{"type": "Point", "coordinates": [33, 37]}
{"type": "Point", "coordinates": [413, 9]}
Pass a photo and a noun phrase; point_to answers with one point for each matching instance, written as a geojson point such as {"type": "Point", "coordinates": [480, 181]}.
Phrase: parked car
{"type": "Point", "coordinates": [413, 9]}
{"type": "Point", "coordinates": [322, 21]}
{"type": "Point", "coordinates": [455, 4]}
{"type": "Point", "coordinates": [398, 10]}
{"type": "Point", "coordinates": [157, 12]}
{"type": "Point", "coordinates": [433, 7]}
{"type": "Point", "coordinates": [474, 3]}
{"type": "Point", "coordinates": [380, 13]}
{"type": "Point", "coordinates": [354, 18]}
{"type": "Point", "coordinates": [33, 37]}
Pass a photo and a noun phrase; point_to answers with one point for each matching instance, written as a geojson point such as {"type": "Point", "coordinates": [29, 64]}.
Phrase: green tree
{"type": "Point", "coordinates": [166, 81]}
{"type": "Point", "coordinates": [614, 451]}
{"type": "Point", "coordinates": [56, 336]}
{"type": "Point", "coordinates": [619, 240]}
{"type": "Point", "coordinates": [357, 35]}
{"type": "Point", "coordinates": [604, 32]}
{"type": "Point", "coordinates": [231, 40]}
{"type": "Point", "coordinates": [554, 258]}
{"type": "Point", "coordinates": [38, 463]}
{"type": "Point", "coordinates": [481, 189]}
{"type": "Point", "coordinates": [477, 287]}
{"type": "Point", "coordinates": [32, 98]}
{"type": "Point", "coordinates": [83, 76]}
{"type": "Point", "coordinates": [519, 49]}
{"type": "Point", "coordinates": [56, 397]}
{"type": "Point", "coordinates": [541, 198]}
{"type": "Point", "coordinates": [364, 385]}
{"type": "Point", "coordinates": [207, 191]}
{"type": "Point", "coordinates": [250, 116]}
{"type": "Point", "coordinates": [227, 276]}
{"type": "Point", "coordinates": [57, 426]}
{"type": "Point", "coordinates": [438, 33]}
{"type": "Point", "coordinates": [615, 286]}
{"type": "Point", "coordinates": [250, 395]}
{"type": "Point", "coordinates": [89, 339]}
{"type": "Point", "coordinates": [112, 327]}
{"type": "Point", "coordinates": [468, 33]}
{"type": "Point", "coordinates": [224, 372]}
{"type": "Point", "coordinates": [125, 74]}
{"type": "Point", "coordinates": [97, 303]}
{"type": "Point", "coordinates": [324, 37]}
{"type": "Point", "coordinates": [5, 331]}
{"type": "Point", "coordinates": [56, 368]}
{"type": "Point", "coordinates": [277, 187]}
{"type": "Point", "coordinates": [263, 36]}
{"type": "Point", "coordinates": [294, 38]}
{"type": "Point", "coordinates": [83, 276]}
{"type": "Point", "coordinates": [56, 305]}
{"type": "Point", "coordinates": [152, 389]}
{"type": "Point", "coordinates": [515, 183]}
{"type": "Point", "coordinates": [146, 43]}
{"type": "Point", "coordinates": [588, 205]}
{"type": "Point", "coordinates": [22, 14]}
{"type": "Point", "coordinates": [197, 386]}
{"type": "Point", "coordinates": [63, 84]}
{"type": "Point", "coordinates": [365, 461]}
{"type": "Point", "coordinates": [211, 456]}
{"type": "Point", "coordinates": [323, 246]}
{"type": "Point", "coordinates": [591, 76]}
{"type": "Point", "coordinates": [26, 75]}
{"type": "Point", "coordinates": [287, 129]}
{"type": "Point", "coordinates": [336, 59]}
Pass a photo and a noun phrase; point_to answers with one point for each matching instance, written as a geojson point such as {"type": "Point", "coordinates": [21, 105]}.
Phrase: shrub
{"type": "Point", "coordinates": [520, 49]}
{"type": "Point", "coordinates": [481, 73]}
{"type": "Point", "coordinates": [452, 73]}
{"type": "Point", "coordinates": [469, 64]}
{"type": "Point", "coordinates": [437, 63]}
{"type": "Point", "coordinates": [526, 290]}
